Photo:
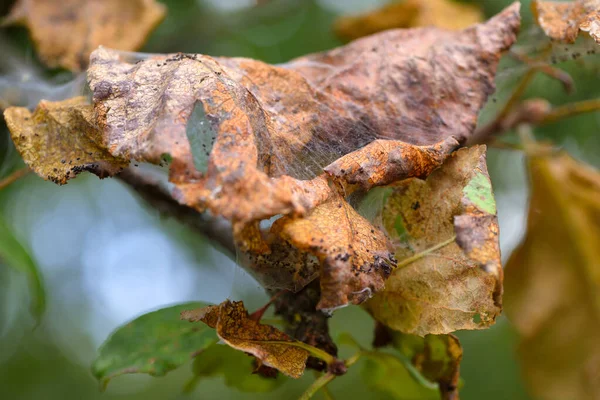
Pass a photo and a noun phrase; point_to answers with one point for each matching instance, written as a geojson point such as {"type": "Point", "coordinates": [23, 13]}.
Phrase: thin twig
{"type": "Point", "coordinates": [571, 109]}
{"type": "Point", "coordinates": [13, 177]}
{"type": "Point", "coordinates": [545, 68]}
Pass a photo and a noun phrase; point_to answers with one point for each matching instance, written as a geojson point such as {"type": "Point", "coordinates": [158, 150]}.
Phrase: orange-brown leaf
{"type": "Point", "coordinates": [66, 31]}
{"type": "Point", "coordinates": [355, 256]}
{"type": "Point", "coordinates": [562, 20]}
{"type": "Point", "coordinates": [385, 161]}
{"type": "Point", "coordinates": [268, 344]}
{"type": "Point", "coordinates": [553, 280]}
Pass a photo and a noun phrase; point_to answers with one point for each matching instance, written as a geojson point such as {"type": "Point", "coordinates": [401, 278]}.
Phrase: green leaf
{"type": "Point", "coordinates": [396, 376]}
{"type": "Point", "coordinates": [479, 192]}
{"type": "Point", "coordinates": [437, 357]}
{"type": "Point", "coordinates": [15, 255]}
{"type": "Point", "coordinates": [154, 343]}
{"type": "Point", "coordinates": [236, 368]}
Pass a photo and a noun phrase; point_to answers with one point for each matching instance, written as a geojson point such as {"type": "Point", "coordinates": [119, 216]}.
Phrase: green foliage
{"type": "Point", "coordinates": [15, 255]}
{"type": "Point", "coordinates": [236, 368]}
{"type": "Point", "coordinates": [154, 343]}
{"type": "Point", "coordinates": [397, 377]}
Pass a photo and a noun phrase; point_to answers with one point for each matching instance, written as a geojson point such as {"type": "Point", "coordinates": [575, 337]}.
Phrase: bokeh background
{"type": "Point", "coordinates": [107, 258]}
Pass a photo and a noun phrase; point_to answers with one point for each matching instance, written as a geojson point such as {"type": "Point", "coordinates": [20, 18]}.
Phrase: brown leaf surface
{"type": "Point", "coordinates": [553, 281]}
{"type": "Point", "coordinates": [66, 31]}
{"type": "Point", "coordinates": [562, 20]}
{"type": "Point", "coordinates": [446, 235]}
{"type": "Point", "coordinates": [268, 344]}
{"type": "Point", "coordinates": [59, 140]}
{"type": "Point", "coordinates": [446, 14]}
{"type": "Point", "coordinates": [275, 125]}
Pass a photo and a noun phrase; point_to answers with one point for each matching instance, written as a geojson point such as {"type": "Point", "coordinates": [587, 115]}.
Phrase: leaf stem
{"type": "Point", "coordinates": [317, 385]}
{"type": "Point", "coordinates": [312, 350]}
{"type": "Point", "coordinates": [13, 177]}
{"type": "Point", "coordinates": [418, 256]}
{"type": "Point", "coordinates": [352, 360]}
{"type": "Point", "coordinates": [324, 380]}
{"type": "Point", "coordinates": [572, 109]}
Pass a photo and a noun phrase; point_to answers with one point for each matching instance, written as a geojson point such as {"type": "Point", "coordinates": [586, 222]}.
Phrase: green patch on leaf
{"type": "Point", "coordinates": [235, 367]}
{"type": "Point", "coordinates": [15, 255]}
{"type": "Point", "coordinates": [154, 343]}
{"type": "Point", "coordinates": [401, 229]}
{"type": "Point", "coordinates": [397, 377]}
{"type": "Point", "coordinates": [479, 192]}
{"type": "Point", "coordinates": [201, 135]}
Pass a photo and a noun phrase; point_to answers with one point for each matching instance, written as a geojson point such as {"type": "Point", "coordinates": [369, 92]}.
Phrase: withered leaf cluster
{"type": "Point", "coordinates": [249, 141]}
{"type": "Point", "coordinates": [66, 31]}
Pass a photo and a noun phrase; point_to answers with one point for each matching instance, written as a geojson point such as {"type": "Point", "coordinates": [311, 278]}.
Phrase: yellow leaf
{"type": "Point", "coordinates": [66, 31]}
{"type": "Point", "coordinates": [445, 231]}
{"type": "Point", "coordinates": [553, 281]}
{"type": "Point", "coordinates": [447, 14]}
{"type": "Point", "coordinates": [60, 139]}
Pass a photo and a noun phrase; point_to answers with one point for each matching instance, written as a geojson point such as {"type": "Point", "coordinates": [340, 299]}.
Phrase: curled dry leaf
{"type": "Point", "coordinates": [553, 280]}
{"type": "Point", "coordinates": [60, 139]}
{"type": "Point", "coordinates": [249, 141]}
{"type": "Point", "coordinates": [447, 14]}
{"type": "Point", "coordinates": [268, 344]}
{"type": "Point", "coordinates": [66, 31]}
{"type": "Point", "coordinates": [446, 234]}
{"type": "Point", "coordinates": [355, 257]}
{"type": "Point", "coordinates": [562, 20]}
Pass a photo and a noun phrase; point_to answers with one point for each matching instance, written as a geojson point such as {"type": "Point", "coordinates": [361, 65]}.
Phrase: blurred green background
{"type": "Point", "coordinates": [106, 258]}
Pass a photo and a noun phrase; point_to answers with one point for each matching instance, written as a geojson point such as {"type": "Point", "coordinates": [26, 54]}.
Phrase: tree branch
{"type": "Point", "coordinates": [154, 191]}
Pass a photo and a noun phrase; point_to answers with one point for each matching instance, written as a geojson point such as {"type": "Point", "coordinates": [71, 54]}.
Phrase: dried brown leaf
{"type": "Point", "coordinates": [268, 344]}
{"type": "Point", "coordinates": [59, 140]}
{"type": "Point", "coordinates": [562, 20]}
{"type": "Point", "coordinates": [446, 235]}
{"type": "Point", "coordinates": [355, 256]}
{"type": "Point", "coordinates": [553, 280]}
{"type": "Point", "coordinates": [66, 31]}
{"type": "Point", "coordinates": [382, 162]}
{"type": "Point", "coordinates": [446, 14]}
